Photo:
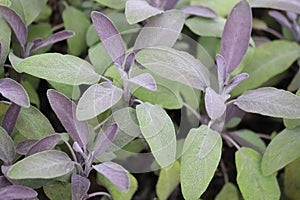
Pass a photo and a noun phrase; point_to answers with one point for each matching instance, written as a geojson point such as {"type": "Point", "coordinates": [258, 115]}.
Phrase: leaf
{"type": "Point", "coordinates": [144, 80]}
{"type": "Point", "coordinates": [10, 118]}
{"type": "Point", "coordinates": [170, 4]}
{"type": "Point", "coordinates": [58, 190]}
{"type": "Point", "coordinates": [114, 173]}
{"type": "Point", "coordinates": [114, 191]}
{"type": "Point", "coordinates": [159, 132]}
{"type": "Point", "coordinates": [206, 27]}
{"type": "Point", "coordinates": [115, 4]}
{"type": "Point", "coordinates": [236, 35]}
{"type": "Point", "coordinates": [44, 165]}
{"type": "Point", "coordinates": [139, 10]}
{"type": "Point", "coordinates": [110, 37]}
{"type": "Point", "coordinates": [214, 104]}
{"type": "Point", "coordinates": [32, 124]}
{"type": "Point", "coordinates": [291, 5]}
{"type": "Point", "coordinates": [59, 68]}
{"type": "Point", "coordinates": [291, 180]}
{"type": "Point", "coordinates": [80, 186]}
{"type": "Point", "coordinates": [268, 61]}
{"type": "Point", "coordinates": [219, 6]}
{"type": "Point", "coordinates": [76, 21]}
{"type": "Point", "coordinates": [281, 19]}
{"type": "Point", "coordinates": [292, 123]}
{"type": "Point", "coordinates": [14, 91]}
{"type": "Point", "coordinates": [201, 156]}
{"type": "Point", "coordinates": [168, 180]}
{"type": "Point", "coordinates": [65, 110]}
{"type": "Point", "coordinates": [200, 11]}
{"type": "Point", "coordinates": [5, 36]}
{"type": "Point", "coordinates": [104, 140]}
{"type": "Point", "coordinates": [247, 138]}
{"type": "Point", "coordinates": [96, 99]}
{"type": "Point", "coordinates": [56, 37]}
{"type": "Point", "coordinates": [271, 102]}
{"type": "Point", "coordinates": [229, 191]}
{"type": "Point", "coordinates": [175, 65]}
{"type": "Point", "coordinates": [44, 144]}
{"type": "Point", "coordinates": [72, 92]}
{"type": "Point", "coordinates": [282, 150]}
{"type": "Point", "coordinates": [236, 81]}
{"type": "Point", "coordinates": [252, 183]}
{"type": "Point", "coordinates": [28, 9]}
{"type": "Point", "coordinates": [16, 23]}
{"type": "Point", "coordinates": [23, 147]}
{"type": "Point", "coordinates": [7, 148]}
{"type": "Point", "coordinates": [161, 30]}
{"type": "Point", "coordinates": [17, 192]}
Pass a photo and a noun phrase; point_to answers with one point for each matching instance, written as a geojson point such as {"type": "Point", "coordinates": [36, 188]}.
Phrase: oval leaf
{"type": "Point", "coordinates": [96, 99]}
{"type": "Point", "coordinates": [229, 191]}
{"type": "Point", "coordinates": [110, 37]}
{"type": "Point", "coordinates": [161, 30]}
{"type": "Point", "coordinates": [236, 35]}
{"type": "Point", "coordinates": [139, 10]}
{"type": "Point", "coordinates": [80, 186]}
{"type": "Point", "coordinates": [144, 80]}
{"type": "Point", "coordinates": [283, 149]}
{"type": "Point", "coordinates": [14, 91]}
{"type": "Point", "coordinates": [290, 5]}
{"type": "Point", "coordinates": [175, 65]}
{"type": "Point", "coordinates": [45, 165]}
{"type": "Point", "coordinates": [159, 132]}
{"type": "Point", "coordinates": [10, 118]}
{"type": "Point", "coordinates": [271, 102]}
{"type": "Point", "coordinates": [214, 104]}
{"type": "Point", "coordinates": [206, 27]}
{"type": "Point", "coordinates": [44, 144]}
{"type": "Point", "coordinates": [200, 11]}
{"type": "Point", "coordinates": [7, 148]}
{"type": "Point", "coordinates": [5, 38]}
{"type": "Point", "coordinates": [115, 173]}
{"type": "Point", "coordinates": [104, 140]}
{"type": "Point", "coordinates": [252, 183]}
{"type": "Point", "coordinates": [59, 68]}
{"type": "Point", "coordinates": [16, 23]}
{"type": "Point", "coordinates": [65, 109]}
{"type": "Point", "coordinates": [201, 156]}
{"type": "Point", "coordinates": [17, 192]}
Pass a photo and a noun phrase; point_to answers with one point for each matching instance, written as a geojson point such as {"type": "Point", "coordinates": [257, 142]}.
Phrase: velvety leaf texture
{"type": "Point", "coordinates": [110, 37]}
{"type": "Point", "coordinates": [17, 192]}
{"type": "Point", "coordinates": [235, 81]}
{"type": "Point", "coordinates": [59, 68]}
{"type": "Point", "coordinates": [229, 191]}
{"type": "Point", "coordinates": [14, 91]}
{"type": "Point", "coordinates": [115, 173]}
{"type": "Point", "coordinates": [96, 99]}
{"type": "Point", "coordinates": [44, 165]}
{"type": "Point", "coordinates": [5, 39]}
{"type": "Point", "coordinates": [23, 147]}
{"type": "Point", "coordinates": [252, 183]}
{"type": "Point", "coordinates": [161, 30]}
{"type": "Point", "coordinates": [292, 179]}
{"type": "Point", "coordinates": [104, 140]}
{"type": "Point", "coordinates": [214, 104]}
{"type": "Point", "coordinates": [65, 109]}
{"type": "Point", "coordinates": [282, 150]}
{"type": "Point", "coordinates": [139, 10]}
{"type": "Point", "coordinates": [80, 186]}
{"type": "Point", "coordinates": [175, 65]}
{"type": "Point", "coordinates": [201, 155]}
{"type": "Point", "coordinates": [16, 23]}
{"type": "Point", "coordinates": [271, 102]}
{"type": "Point", "coordinates": [159, 132]}
{"type": "Point", "coordinates": [7, 148]}
{"type": "Point", "coordinates": [170, 4]}
{"type": "Point", "coordinates": [10, 118]}
{"type": "Point", "coordinates": [236, 35]}
{"type": "Point", "coordinates": [44, 144]}
{"type": "Point", "coordinates": [144, 80]}
{"type": "Point", "coordinates": [200, 11]}
{"type": "Point", "coordinates": [290, 5]}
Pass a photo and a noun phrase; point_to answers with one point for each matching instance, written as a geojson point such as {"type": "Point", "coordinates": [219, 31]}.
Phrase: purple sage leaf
{"type": "Point", "coordinates": [292, 16]}
{"type": "Point", "coordinates": [290, 5]}
{"type": "Point", "coordinates": [170, 4]}
{"type": "Point", "coordinates": [4, 182]}
{"type": "Point", "coordinates": [129, 61]}
{"type": "Point", "coordinates": [200, 11]}
{"type": "Point", "coordinates": [214, 104]}
{"type": "Point", "coordinates": [23, 147]}
{"type": "Point", "coordinates": [281, 19]}
{"type": "Point", "coordinates": [47, 143]}
{"type": "Point", "coordinates": [236, 35]}
{"type": "Point", "coordinates": [115, 173]}
{"type": "Point", "coordinates": [232, 111]}
{"type": "Point", "coordinates": [0, 50]}
{"type": "Point", "coordinates": [80, 186]}
{"type": "Point", "coordinates": [10, 118]}
{"type": "Point", "coordinates": [65, 110]}
{"type": "Point", "coordinates": [110, 37]}
{"type": "Point", "coordinates": [14, 91]}
{"type": "Point", "coordinates": [16, 23]}
{"type": "Point", "coordinates": [56, 37]}
{"type": "Point", "coordinates": [235, 81]}
{"type": "Point", "coordinates": [144, 80]}
{"type": "Point", "coordinates": [221, 65]}
{"type": "Point", "coordinates": [13, 192]}
{"type": "Point", "coordinates": [104, 140]}
{"type": "Point", "coordinates": [77, 148]}
{"type": "Point", "coordinates": [7, 148]}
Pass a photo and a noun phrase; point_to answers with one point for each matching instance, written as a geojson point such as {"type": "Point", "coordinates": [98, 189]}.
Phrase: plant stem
{"type": "Point", "coordinates": [224, 170]}
{"type": "Point", "coordinates": [229, 139]}
{"type": "Point", "coordinates": [195, 113]}
{"type": "Point", "coordinates": [264, 136]}
{"type": "Point", "coordinates": [98, 194]}
{"type": "Point", "coordinates": [72, 151]}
